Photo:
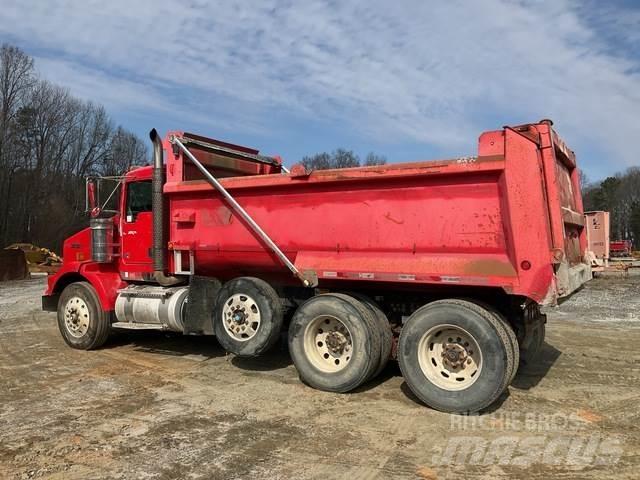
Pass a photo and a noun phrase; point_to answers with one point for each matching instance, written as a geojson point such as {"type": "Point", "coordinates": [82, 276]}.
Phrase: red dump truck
{"type": "Point", "coordinates": [442, 265]}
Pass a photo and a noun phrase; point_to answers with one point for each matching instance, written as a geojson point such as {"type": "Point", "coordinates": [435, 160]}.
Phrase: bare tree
{"type": "Point", "coordinates": [345, 159]}
{"type": "Point", "coordinates": [319, 161]}
{"type": "Point", "coordinates": [373, 159]}
{"type": "Point", "coordinates": [340, 158]}
{"type": "Point", "coordinates": [16, 79]}
{"type": "Point", "coordinates": [125, 150]}
{"type": "Point", "coordinates": [584, 180]}
{"type": "Point", "coordinates": [49, 141]}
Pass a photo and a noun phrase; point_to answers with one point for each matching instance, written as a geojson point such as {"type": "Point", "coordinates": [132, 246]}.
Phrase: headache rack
{"type": "Point", "coordinates": [224, 159]}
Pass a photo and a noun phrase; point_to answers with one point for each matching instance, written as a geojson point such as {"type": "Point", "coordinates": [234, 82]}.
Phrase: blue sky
{"type": "Point", "coordinates": [407, 79]}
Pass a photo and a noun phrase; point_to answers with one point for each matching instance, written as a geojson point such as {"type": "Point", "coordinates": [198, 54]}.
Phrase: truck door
{"type": "Point", "coordinates": [137, 225]}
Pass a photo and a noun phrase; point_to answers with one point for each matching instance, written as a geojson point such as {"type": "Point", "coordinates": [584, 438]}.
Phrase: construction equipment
{"type": "Point", "coordinates": [360, 264]}
{"type": "Point", "coordinates": [13, 265]}
{"type": "Point", "coordinates": [38, 259]}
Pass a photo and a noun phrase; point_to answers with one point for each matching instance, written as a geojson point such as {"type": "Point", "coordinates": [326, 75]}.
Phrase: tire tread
{"type": "Point", "coordinates": [497, 326]}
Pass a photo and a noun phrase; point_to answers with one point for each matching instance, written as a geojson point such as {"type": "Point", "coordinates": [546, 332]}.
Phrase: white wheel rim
{"type": "Point", "coordinates": [76, 317]}
{"type": "Point", "coordinates": [241, 317]}
{"type": "Point", "coordinates": [450, 357]}
{"type": "Point", "coordinates": [328, 344]}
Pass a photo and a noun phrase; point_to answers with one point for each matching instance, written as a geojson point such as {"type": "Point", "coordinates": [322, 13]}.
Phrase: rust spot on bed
{"type": "Point", "coordinates": [490, 267]}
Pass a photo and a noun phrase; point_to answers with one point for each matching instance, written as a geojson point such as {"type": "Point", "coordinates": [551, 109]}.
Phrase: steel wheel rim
{"type": "Point", "coordinates": [76, 317]}
{"type": "Point", "coordinates": [328, 344]}
{"type": "Point", "coordinates": [241, 317]}
{"type": "Point", "coordinates": [450, 357]}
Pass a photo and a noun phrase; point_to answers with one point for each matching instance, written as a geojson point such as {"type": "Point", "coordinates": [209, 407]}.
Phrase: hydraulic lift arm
{"type": "Point", "coordinates": [307, 281]}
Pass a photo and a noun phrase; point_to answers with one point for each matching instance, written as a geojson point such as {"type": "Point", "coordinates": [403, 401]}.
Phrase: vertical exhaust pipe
{"type": "Point", "coordinates": [157, 202]}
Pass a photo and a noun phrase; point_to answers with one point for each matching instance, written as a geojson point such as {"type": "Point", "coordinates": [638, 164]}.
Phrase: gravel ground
{"type": "Point", "coordinates": [151, 405]}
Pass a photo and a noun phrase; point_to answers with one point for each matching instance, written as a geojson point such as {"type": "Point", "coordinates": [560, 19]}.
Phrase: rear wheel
{"type": "Point", "coordinates": [511, 334]}
{"type": "Point", "coordinates": [513, 342]}
{"type": "Point", "coordinates": [455, 356]}
{"type": "Point", "coordinates": [334, 342]}
{"type": "Point", "coordinates": [386, 336]}
{"type": "Point", "coordinates": [81, 320]}
{"type": "Point", "coordinates": [247, 316]}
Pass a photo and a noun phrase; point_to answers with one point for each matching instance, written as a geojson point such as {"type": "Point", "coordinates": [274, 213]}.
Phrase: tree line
{"type": "Point", "coordinates": [340, 158]}
{"type": "Point", "coordinates": [49, 142]}
{"type": "Point", "coordinates": [620, 196]}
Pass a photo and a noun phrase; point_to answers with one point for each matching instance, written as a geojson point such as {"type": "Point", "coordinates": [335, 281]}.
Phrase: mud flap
{"type": "Point", "coordinates": [50, 303]}
{"type": "Point", "coordinates": [531, 338]}
{"type": "Point", "coordinates": [201, 300]}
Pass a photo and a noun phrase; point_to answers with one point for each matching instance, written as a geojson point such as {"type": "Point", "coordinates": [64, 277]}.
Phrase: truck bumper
{"type": "Point", "coordinates": [574, 278]}
{"type": "Point", "coordinates": [567, 280]}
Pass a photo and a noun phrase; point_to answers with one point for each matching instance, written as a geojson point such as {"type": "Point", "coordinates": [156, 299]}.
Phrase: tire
{"type": "Point", "coordinates": [513, 339]}
{"type": "Point", "coordinates": [247, 317]}
{"type": "Point", "coordinates": [81, 320]}
{"type": "Point", "coordinates": [386, 335]}
{"type": "Point", "coordinates": [466, 334]}
{"type": "Point", "coordinates": [347, 359]}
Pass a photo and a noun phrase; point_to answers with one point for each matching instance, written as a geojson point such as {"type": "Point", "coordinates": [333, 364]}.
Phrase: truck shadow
{"type": "Point", "coordinates": [206, 347]}
{"type": "Point", "coordinates": [278, 357]}
{"type": "Point", "coordinates": [175, 344]}
{"type": "Point", "coordinates": [167, 343]}
{"type": "Point", "coordinates": [274, 360]}
{"type": "Point", "coordinates": [529, 376]}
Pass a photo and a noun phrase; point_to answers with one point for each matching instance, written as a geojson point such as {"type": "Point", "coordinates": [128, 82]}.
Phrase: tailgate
{"type": "Point", "coordinates": [566, 215]}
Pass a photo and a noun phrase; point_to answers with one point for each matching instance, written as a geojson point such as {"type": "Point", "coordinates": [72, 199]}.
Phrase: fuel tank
{"type": "Point", "coordinates": [150, 305]}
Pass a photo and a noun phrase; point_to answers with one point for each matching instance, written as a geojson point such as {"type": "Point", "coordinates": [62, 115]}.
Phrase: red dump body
{"type": "Point", "coordinates": [509, 218]}
{"type": "Point", "coordinates": [502, 218]}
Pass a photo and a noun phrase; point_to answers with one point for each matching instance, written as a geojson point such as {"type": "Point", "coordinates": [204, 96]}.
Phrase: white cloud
{"type": "Point", "coordinates": [99, 86]}
{"type": "Point", "coordinates": [431, 72]}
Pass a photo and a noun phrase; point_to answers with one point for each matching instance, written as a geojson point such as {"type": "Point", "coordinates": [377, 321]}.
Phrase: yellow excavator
{"type": "Point", "coordinates": [18, 259]}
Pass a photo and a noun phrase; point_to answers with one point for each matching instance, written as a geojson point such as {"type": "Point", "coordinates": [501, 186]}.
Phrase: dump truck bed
{"type": "Point", "coordinates": [510, 217]}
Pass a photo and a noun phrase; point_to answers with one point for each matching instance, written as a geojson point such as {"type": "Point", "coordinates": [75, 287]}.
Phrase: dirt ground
{"type": "Point", "coordinates": [165, 406]}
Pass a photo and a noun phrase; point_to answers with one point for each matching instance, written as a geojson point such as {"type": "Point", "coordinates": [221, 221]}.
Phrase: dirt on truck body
{"type": "Point", "coordinates": [164, 406]}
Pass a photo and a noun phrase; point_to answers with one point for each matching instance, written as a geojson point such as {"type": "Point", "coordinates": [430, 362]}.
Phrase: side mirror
{"type": "Point", "coordinates": [90, 197]}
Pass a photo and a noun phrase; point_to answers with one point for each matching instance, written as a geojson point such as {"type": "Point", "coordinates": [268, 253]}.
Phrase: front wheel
{"type": "Point", "coordinates": [81, 320]}
{"type": "Point", "coordinates": [455, 356]}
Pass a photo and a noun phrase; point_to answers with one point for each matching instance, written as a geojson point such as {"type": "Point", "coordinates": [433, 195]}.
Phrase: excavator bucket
{"type": "Point", "coordinates": [13, 265]}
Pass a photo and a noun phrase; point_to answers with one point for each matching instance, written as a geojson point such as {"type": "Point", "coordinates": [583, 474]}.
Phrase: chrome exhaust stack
{"type": "Point", "coordinates": [157, 202]}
